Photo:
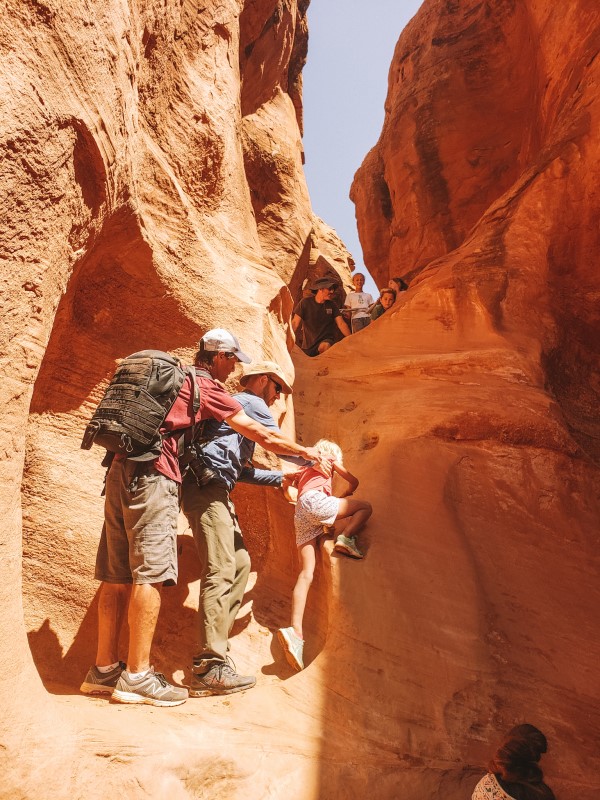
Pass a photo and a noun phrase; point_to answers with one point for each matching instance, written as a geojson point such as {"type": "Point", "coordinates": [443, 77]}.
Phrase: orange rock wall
{"type": "Point", "coordinates": [489, 143]}
{"type": "Point", "coordinates": [482, 190]}
{"type": "Point", "coordinates": [153, 187]}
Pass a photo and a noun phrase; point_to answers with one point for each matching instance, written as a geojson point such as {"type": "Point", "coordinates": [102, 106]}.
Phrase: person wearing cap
{"type": "Point", "coordinates": [225, 459]}
{"type": "Point", "coordinates": [319, 316]}
{"type": "Point", "coordinates": [137, 554]}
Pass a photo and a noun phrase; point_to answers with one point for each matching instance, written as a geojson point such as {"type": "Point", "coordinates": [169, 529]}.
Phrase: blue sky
{"type": "Point", "coordinates": [351, 44]}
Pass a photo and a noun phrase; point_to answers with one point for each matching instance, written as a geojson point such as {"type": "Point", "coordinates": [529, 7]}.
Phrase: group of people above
{"type": "Point", "coordinates": [137, 553]}
{"type": "Point", "coordinates": [323, 321]}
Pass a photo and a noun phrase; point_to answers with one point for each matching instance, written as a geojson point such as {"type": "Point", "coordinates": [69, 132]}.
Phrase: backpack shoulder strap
{"type": "Point", "coordinates": [196, 390]}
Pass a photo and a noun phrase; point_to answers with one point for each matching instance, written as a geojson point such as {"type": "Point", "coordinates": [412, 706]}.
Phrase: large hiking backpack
{"type": "Point", "coordinates": [137, 400]}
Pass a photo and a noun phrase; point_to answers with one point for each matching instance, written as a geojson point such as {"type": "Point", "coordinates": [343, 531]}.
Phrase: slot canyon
{"type": "Point", "coordinates": [152, 187]}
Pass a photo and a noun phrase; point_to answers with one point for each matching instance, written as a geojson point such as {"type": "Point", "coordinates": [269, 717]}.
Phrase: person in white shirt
{"type": "Point", "coordinates": [359, 304]}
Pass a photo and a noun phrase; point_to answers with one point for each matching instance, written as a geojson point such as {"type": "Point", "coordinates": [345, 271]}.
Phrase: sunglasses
{"type": "Point", "coordinates": [230, 355]}
{"type": "Point", "coordinates": [278, 386]}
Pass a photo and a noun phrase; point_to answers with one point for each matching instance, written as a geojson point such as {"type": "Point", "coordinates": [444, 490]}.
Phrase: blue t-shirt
{"type": "Point", "coordinates": [229, 454]}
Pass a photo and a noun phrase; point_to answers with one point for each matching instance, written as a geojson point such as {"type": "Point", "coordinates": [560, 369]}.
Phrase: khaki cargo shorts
{"type": "Point", "coordinates": [139, 537]}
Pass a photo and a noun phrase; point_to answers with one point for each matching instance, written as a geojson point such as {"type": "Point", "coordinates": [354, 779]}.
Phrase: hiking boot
{"type": "Point", "coordinates": [97, 682]}
{"type": "Point", "coordinates": [153, 689]}
{"type": "Point", "coordinates": [220, 678]}
{"type": "Point", "coordinates": [293, 647]}
{"type": "Point", "coordinates": [347, 545]}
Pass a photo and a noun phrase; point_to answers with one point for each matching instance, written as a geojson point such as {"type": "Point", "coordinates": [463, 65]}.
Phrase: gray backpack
{"type": "Point", "coordinates": [137, 400]}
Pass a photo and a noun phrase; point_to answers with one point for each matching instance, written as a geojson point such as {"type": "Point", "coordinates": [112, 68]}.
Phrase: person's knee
{"type": "Point", "coordinates": [366, 508]}
{"type": "Point", "coordinates": [307, 574]}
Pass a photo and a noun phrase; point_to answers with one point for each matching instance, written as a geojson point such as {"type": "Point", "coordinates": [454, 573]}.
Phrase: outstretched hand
{"type": "Point", "coordinates": [322, 463]}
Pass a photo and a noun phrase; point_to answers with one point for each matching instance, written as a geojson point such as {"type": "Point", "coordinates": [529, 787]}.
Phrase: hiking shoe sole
{"type": "Point", "coordinates": [96, 689]}
{"type": "Point", "coordinates": [132, 697]}
{"type": "Point", "coordinates": [217, 692]}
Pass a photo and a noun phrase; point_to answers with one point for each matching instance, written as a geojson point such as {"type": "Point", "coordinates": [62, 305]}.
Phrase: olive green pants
{"type": "Point", "coordinates": [224, 565]}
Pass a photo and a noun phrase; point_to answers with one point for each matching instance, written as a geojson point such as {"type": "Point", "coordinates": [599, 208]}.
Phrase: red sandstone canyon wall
{"type": "Point", "coordinates": [152, 187]}
{"type": "Point", "coordinates": [482, 190]}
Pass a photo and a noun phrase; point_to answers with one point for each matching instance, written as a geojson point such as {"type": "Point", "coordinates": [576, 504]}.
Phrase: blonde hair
{"type": "Point", "coordinates": [330, 449]}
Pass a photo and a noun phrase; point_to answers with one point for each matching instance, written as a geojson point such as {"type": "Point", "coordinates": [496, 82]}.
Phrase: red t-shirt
{"type": "Point", "coordinates": [311, 478]}
{"type": "Point", "coordinates": [215, 403]}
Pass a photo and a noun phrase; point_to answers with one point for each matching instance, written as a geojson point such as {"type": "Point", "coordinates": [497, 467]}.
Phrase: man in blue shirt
{"type": "Point", "coordinates": [224, 560]}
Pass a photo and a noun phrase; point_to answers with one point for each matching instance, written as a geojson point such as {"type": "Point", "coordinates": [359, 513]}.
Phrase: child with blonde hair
{"type": "Point", "coordinates": [317, 508]}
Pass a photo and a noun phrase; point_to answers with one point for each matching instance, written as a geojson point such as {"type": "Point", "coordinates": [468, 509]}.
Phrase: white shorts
{"type": "Point", "coordinates": [313, 510]}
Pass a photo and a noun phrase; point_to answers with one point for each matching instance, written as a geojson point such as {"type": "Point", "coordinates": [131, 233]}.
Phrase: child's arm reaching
{"type": "Point", "coordinates": [350, 479]}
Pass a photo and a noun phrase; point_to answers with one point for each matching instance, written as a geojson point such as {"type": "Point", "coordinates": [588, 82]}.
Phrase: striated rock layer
{"type": "Point", "coordinates": [483, 190]}
{"type": "Point", "coordinates": [152, 187]}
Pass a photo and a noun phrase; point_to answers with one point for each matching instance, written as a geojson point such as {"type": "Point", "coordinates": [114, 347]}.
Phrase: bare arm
{"type": "Point", "coordinates": [342, 325]}
{"type": "Point", "coordinates": [296, 321]}
{"type": "Point", "coordinates": [270, 439]}
{"type": "Point", "coordinates": [350, 479]}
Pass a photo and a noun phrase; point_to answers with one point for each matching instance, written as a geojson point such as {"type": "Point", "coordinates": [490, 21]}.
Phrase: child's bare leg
{"type": "Point", "coordinates": [358, 511]}
{"type": "Point", "coordinates": [308, 557]}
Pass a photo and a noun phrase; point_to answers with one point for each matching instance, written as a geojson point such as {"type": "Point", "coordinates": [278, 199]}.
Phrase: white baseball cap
{"type": "Point", "coordinates": [218, 340]}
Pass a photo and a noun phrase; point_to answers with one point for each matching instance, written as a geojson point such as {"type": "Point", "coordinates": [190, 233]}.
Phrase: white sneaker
{"type": "Point", "coordinates": [293, 647]}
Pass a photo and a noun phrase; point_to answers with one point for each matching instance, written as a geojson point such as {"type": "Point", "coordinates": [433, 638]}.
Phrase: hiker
{"type": "Point", "coordinates": [514, 773]}
{"type": "Point", "coordinates": [387, 298]}
{"type": "Point", "coordinates": [316, 508]}
{"type": "Point", "coordinates": [319, 316]}
{"type": "Point", "coordinates": [206, 502]}
{"type": "Point", "coordinates": [137, 554]}
{"type": "Point", "coordinates": [359, 304]}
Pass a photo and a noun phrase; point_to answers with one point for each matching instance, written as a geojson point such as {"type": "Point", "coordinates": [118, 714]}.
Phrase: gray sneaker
{"type": "Point", "coordinates": [153, 689]}
{"type": "Point", "coordinates": [220, 678]}
{"type": "Point", "coordinates": [347, 545]}
{"type": "Point", "coordinates": [97, 682]}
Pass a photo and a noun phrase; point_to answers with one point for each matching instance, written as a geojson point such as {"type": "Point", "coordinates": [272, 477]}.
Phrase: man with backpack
{"type": "Point", "coordinates": [137, 553]}
{"type": "Point", "coordinates": [225, 459]}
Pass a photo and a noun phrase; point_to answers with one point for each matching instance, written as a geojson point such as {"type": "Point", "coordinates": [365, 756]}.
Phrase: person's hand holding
{"type": "Point", "coordinates": [322, 463]}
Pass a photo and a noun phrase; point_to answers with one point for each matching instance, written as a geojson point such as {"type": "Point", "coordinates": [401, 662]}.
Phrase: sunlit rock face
{"type": "Point", "coordinates": [152, 188]}
{"type": "Point", "coordinates": [482, 191]}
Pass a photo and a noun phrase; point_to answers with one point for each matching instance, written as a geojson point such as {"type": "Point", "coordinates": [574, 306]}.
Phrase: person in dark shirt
{"type": "Point", "coordinates": [319, 316]}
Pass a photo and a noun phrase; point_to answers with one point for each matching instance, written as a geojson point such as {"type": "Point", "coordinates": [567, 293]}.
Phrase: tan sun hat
{"type": "Point", "coordinates": [267, 368]}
